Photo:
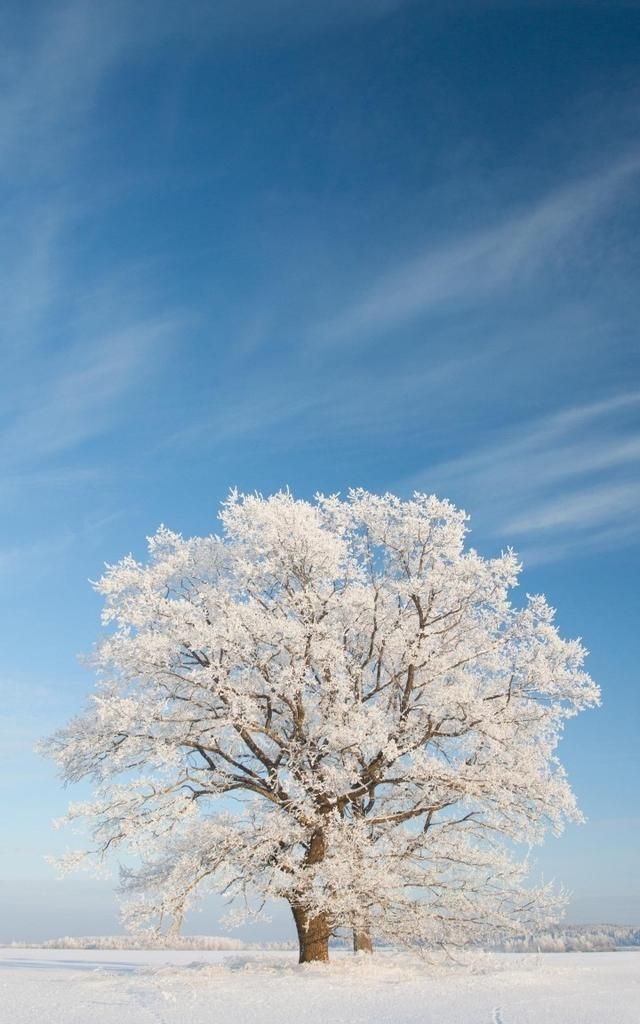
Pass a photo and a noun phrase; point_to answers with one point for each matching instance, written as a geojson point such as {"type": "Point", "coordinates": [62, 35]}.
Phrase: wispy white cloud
{"type": "Point", "coordinates": [50, 83]}
{"type": "Point", "coordinates": [23, 557]}
{"type": "Point", "coordinates": [562, 484]}
{"type": "Point", "coordinates": [556, 447]}
{"type": "Point", "coordinates": [52, 71]}
{"type": "Point", "coordinates": [486, 262]}
{"type": "Point", "coordinates": [75, 341]}
{"type": "Point", "coordinates": [57, 393]}
{"type": "Point", "coordinates": [288, 404]}
{"type": "Point", "coordinates": [23, 563]}
{"type": "Point", "coordinates": [31, 268]}
{"type": "Point", "coordinates": [81, 392]}
{"type": "Point", "coordinates": [582, 509]}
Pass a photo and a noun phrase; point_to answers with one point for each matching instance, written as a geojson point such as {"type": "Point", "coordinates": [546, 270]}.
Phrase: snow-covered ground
{"type": "Point", "coordinates": [187, 987]}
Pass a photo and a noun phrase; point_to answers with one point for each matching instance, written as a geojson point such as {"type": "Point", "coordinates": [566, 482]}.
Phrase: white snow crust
{"type": "Point", "coordinates": [176, 987]}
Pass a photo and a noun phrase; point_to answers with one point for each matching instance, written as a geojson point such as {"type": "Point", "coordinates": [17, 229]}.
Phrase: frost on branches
{"type": "Point", "coordinates": [334, 704]}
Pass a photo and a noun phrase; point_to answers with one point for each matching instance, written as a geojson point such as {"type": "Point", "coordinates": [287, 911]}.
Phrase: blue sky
{"type": "Point", "coordinates": [368, 243]}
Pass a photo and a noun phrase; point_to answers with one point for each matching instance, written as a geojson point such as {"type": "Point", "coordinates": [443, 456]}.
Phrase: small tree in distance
{"type": "Point", "coordinates": [333, 703]}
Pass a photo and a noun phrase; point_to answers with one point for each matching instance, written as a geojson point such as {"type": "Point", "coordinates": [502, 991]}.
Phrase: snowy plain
{"type": "Point", "coordinates": [176, 987]}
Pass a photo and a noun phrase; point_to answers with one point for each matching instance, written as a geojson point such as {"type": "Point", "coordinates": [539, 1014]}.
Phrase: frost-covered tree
{"type": "Point", "coordinates": [331, 703]}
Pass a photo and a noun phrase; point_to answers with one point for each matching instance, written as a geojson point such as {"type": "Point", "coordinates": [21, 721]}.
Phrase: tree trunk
{"type": "Point", "coordinates": [362, 941]}
{"type": "Point", "coordinates": [313, 935]}
{"type": "Point", "coordinates": [313, 929]}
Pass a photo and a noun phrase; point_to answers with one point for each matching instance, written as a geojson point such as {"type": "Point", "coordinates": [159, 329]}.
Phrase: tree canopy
{"type": "Point", "coordinates": [334, 703]}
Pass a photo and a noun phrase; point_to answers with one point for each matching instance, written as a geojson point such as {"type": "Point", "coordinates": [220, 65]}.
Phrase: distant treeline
{"type": "Point", "coordinates": [587, 938]}
{"type": "Point", "coordinates": [565, 939]}
{"type": "Point", "coordinates": [151, 941]}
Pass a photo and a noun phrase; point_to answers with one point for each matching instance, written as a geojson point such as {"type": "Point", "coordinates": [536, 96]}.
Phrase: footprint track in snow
{"type": "Point", "coordinates": [496, 1016]}
{"type": "Point", "coordinates": [147, 999]}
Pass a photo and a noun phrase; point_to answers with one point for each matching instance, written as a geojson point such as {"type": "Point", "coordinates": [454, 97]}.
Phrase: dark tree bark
{"type": "Point", "coordinates": [313, 930]}
{"type": "Point", "coordinates": [362, 941]}
{"type": "Point", "coordinates": [313, 935]}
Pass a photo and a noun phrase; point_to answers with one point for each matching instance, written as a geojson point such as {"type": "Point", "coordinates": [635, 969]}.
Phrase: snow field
{"type": "Point", "coordinates": [176, 987]}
